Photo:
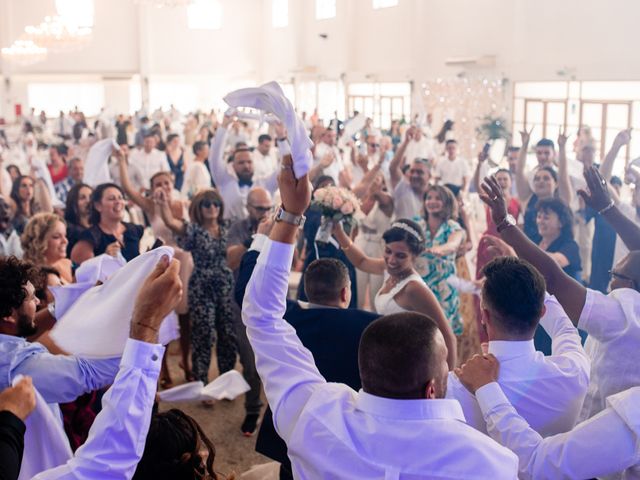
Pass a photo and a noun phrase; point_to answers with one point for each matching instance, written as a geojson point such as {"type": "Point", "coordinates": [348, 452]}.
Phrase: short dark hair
{"type": "Point", "coordinates": [515, 290]}
{"type": "Point", "coordinates": [171, 136]}
{"type": "Point", "coordinates": [451, 140]}
{"type": "Point", "coordinates": [149, 133]}
{"type": "Point", "coordinates": [62, 149]}
{"type": "Point", "coordinates": [546, 142]}
{"type": "Point", "coordinates": [14, 275]}
{"type": "Point", "coordinates": [551, 171]}
{"type": "Point", "coordinates": [199, 145]}
{"type": "Point", "coordinates": [399, 234]}
{"type": "Point", "coordinates": [211, 194]}
{"type": "Point", "coordinates": [615, 180]}
{"type": "Point", "coordinates": [558, 207]}
{"type": "Point", "coordinates": [96, 197]}
{"type": "Point", "coordinates": [513, 148]}
{"type": "Point", "coordinates": [264, 137]}
{"type": "Point", "coordinates": [172, 449]}
{"type": "Point", "coordinates": [324, 278]}
{"type": "Point", "coordinates": [396, 355]}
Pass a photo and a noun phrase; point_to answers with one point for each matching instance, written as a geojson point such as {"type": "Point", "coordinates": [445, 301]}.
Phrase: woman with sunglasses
{"type": "Point", "coordinates": [210, 286]}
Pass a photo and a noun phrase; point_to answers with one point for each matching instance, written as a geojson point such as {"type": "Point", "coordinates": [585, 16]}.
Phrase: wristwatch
{"type": "Point", "coordinates": [286, 217]}
{"type": "Point", "coordinates": [506, 222]}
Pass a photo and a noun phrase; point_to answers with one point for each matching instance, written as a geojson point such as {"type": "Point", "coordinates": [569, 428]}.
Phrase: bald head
{"type": "Point", "coordinates": [403, 356]}
{"type": "Point", "coordinates": [259, 204]}
{"type": "Point", "coordinates": [626, 273]}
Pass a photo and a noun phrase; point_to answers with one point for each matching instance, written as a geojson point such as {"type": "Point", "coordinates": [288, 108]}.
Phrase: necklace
{"type": "Point", "coordinates": [393, 281]}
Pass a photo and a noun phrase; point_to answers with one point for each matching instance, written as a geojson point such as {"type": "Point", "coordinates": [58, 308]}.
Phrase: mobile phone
{"type": "Point", "coordinates": [486, 148]}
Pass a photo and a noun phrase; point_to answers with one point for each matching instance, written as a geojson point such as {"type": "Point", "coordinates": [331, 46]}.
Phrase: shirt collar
{"type": "Point", "coordinates": [510, 349]}
{"type": "Point", "coordinates": [308, 305]}
{"type": "Point", "coordinates": [423, 409]}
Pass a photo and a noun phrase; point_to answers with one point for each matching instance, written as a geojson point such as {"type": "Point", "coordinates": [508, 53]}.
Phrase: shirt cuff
{"type": "Point", "coordinates": [585, 315]}
{"type": "Point", "coordinates": [143, 355]}
{"type": "Point", "coordinates": [490, 396]}
{"type": "Point", "coordinates": [259, 240]}
{"type": "Point", "coordinates": [277, 255]}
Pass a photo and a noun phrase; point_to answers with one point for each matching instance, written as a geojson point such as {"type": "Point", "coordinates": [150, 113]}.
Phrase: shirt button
{"type": "Point", "coordinates": [154, 357]}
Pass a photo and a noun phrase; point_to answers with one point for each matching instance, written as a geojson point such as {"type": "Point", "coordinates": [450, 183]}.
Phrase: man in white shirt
{"type": "Point", "coordinates": [612, 321]}
{"type": "Point", "coordinates": [197, 176]}
{"type": "Point", "coordinates": [149, 159]}
{"type": "Point", "coordinates": [420, 146]}
{"type": "Point", "coordinates": [513, 300]}
{"type": "Point", "coordinates": [452, 169]}
{"type": "Point", "coordinates": [399, 425]}
{"type": "Point", "coordinates": [234, 185]}
{"type": "Point", "coordinates": [265, 161]}
{"type": "Point", "coordinates": [603, 445]}
{"type": "Point", "coordinates": [327, 158]}
{"type": "Point", "coordinates": [408, 195]}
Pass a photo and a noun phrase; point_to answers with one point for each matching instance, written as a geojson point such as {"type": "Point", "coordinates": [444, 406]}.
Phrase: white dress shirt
{"type": "Point", "coordinates": [406, 203]}
{"type": "Point", "coordinates": [149, 163]}
{"type": "Point", "coordinates": [264, 165]}
{"type": "Point", "coordinates": [546, 391]}
{"type": "Point", "coordinates": [603, 445]}
{"type": "Point", "coordinates": [333, 432]}
{"type": "Point", "coordinates": [10, 245]}
{"type": "Point", "coordinates": [118, 435]}
{"type": "Point", "coordinates": [613, 324]}
{"type": "Point", "coordinates": [452, 171]}
{"type": "Point", "coordinates": [196, 178]}
{"type": "Point", "coordinates": [234, 195]}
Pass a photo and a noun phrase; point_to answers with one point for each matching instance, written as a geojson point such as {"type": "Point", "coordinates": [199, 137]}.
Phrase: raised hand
{"type": "Point", "coordinates": [492, 195]}
{"type": "Point", "coordinates": [622, 138]}
{"type": "Point", "coordinates": [328, 159]}
{"type": "Point", "coordinates": [295, 193]}
{"type": "Point", "coordinates": [411, 133]}
{"type": "Point", "coordinates": [281, 131]}
{"type": "Point", "coordinates": [598, 196]}
{"type": "Point", "coordinates": [498, 247]}
{"type": "Point", "coordinates": [478, 372]}
{"type": "Point", "coordinates": [526, 136]}
{"type": "Point", "coordinates": [19, 400]}
{"type": "Point", "coordinates": [562, 139]}
{"type": "Point", "coordinates": [159, 197]}
{"type": "Point", "coordinates": [265, 225]}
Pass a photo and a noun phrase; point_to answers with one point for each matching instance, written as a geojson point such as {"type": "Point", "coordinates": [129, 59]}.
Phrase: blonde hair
{"type": "Point", "coordinates": [36, 235]}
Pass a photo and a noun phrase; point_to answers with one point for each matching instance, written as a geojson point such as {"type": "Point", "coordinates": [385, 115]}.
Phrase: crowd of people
{"type": "Point", "coordinates": [478, 319]}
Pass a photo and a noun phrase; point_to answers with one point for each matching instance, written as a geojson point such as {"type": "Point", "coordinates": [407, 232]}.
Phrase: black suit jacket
{"type": "Point", "coordinates": [332, 335]}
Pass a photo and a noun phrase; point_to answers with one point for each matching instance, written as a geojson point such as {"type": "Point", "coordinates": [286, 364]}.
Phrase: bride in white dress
{"type": "Point", "coordinates": [403, 289]}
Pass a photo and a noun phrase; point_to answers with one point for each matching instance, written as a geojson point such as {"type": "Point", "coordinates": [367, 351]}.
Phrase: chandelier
{"type": "Point", "coordinates": [57, 35]}
{"type": "Point", "coordinates": [166, 3]}
{"type": "Point", "coordinates": [24, 52]}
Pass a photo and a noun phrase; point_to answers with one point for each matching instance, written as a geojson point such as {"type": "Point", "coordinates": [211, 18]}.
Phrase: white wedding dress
{"type": "Point", "coordinates": [385, 302]}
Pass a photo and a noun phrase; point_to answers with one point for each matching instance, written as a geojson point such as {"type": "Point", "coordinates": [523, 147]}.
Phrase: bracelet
{"type": "Point", "coordinates": [148, 326]}
{"type": "Point", "coordinates": [607, 208]}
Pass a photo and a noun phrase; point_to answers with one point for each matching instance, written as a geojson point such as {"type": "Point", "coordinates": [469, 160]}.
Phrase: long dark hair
{"type": "Point", "coordinates": [172, 450]}
{"type": "Point", "coordinates": [15, 194]}
{"type": "Point", "coordinates": [71, 213]}
{"type": "Point", "coordinates": [96, 197]}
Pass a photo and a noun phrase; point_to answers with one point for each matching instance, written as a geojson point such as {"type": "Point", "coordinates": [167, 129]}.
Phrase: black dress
{"type": "Point", "coordinates": [100, 240]}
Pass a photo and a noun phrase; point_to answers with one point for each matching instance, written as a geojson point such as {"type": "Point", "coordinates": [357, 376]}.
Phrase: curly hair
{"type": "Point", "coordinates": [36, 235]}
{"type": "Point", "coordinates": [14, 275]}
{"type": "Point", "coordinates": [172, 450]}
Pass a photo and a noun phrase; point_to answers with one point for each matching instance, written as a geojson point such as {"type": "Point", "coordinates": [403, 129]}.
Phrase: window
{"type": "Point", "coordinates": [182, 95]}
{"type": "Point", "coordinates": [204, 15]}
{"type": "Point", "coordinates": [383, 102]}
{"type": "Point", "coordinates": [605, 107]}
{"type": "Point", "coordinates": [384, 3]}
{"type": "Point", "coordinates": [279, 13]}
{"type": "Point", "coordinates": [325, 9]}
{"type": "Point", "coordinates": [56, 97]}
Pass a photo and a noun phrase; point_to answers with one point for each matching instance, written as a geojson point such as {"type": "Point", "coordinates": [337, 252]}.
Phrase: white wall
{"type": "Point", "coordinates": [532, 40]}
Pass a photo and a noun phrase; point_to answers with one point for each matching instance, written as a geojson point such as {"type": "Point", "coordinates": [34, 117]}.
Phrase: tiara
{"type": "Point", "coordinates": [407, 228]}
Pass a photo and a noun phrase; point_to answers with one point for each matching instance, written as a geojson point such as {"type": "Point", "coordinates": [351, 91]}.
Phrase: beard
{"type": "Point", "coordinates": [25, 325]}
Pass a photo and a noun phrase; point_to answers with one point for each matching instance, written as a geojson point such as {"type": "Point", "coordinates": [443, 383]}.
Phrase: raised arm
{"type": "Point", "coordinates": [623, 138]}
{"type": "Point", "coordinates": [570, 294]}
{"type": "Point", "coordinates": [217, 165]}
{"type": "Point", "coordinates": [522, 184]}
{"type": "Point", "coordinates": [356, 256]}
{"type": "Point", "coordinates": [565, 191]}
{"type": "Point", "coordinates": [475, 180]}
{"type": "Point", "coordinates": [452, 245]}
{"type": "Point", "coordinates": [162, 204]}
{"type": "Point", "coordinates": [136, 197]}
{"type": "Point", "coordinates": [598, 197]}
{"type": "Point", "coordinates": [395, 166]}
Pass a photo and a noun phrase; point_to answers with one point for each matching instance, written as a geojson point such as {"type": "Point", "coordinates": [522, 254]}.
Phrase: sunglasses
{"type": "Point", "coordinates": [373, 145]}
{"type": "Point", "coordinates": [261, 209]}
{"type": "Point", "coordinates": [209, 203]}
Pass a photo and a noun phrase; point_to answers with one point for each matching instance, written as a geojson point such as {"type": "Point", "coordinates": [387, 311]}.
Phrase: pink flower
{"type": "Point", "coordinates": [347, 208]}
{"type": "Point", "coordinates": [337, 202]}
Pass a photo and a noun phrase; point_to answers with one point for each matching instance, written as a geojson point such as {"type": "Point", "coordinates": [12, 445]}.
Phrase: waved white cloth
{"type": "Point", "coordinates": [45, 443]}
{"type": "Point", "coordinates": [42, 172]}
{"type": "Point", "coordinates": [228, 386]}
{"type": "Point", "coordinates": [97, 324]}
{"type": "Point", "coordinates": [352, 127]}
{"type": "Point", "coordinates": [96, 167]}
{"type": "Point", "coordinates": [260, 118]}
{"type": "Point", "coordinates": [462, 285]}
{"type": "Point", "coordinates": [271, 99]}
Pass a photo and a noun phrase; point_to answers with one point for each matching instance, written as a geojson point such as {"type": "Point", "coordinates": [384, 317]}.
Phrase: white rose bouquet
{"type": "Point", "coordinates": [336, 204]}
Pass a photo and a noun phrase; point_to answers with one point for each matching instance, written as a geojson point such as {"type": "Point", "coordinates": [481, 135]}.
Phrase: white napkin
{"type": "Point", "coordinates": [41, 171]}
{"type": "Point", "coordinates": [45, 443]}
{"type": "Point", "coordinates": [462, 285]}
{"type": "Point", "coordinates": [270, 98]}
{"type": "Point", "coordinates": [97, 324]}
{"type": "Point", "coordinates": [228, 386]}
{"type": "Point", "coordinates": [96, 168]}
{"type": "Point", "coordinates": [352, 127]}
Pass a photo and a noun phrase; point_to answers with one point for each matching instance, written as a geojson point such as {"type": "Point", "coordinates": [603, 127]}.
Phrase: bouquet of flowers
{"type": "Point", "coordinates": [336, 204]}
